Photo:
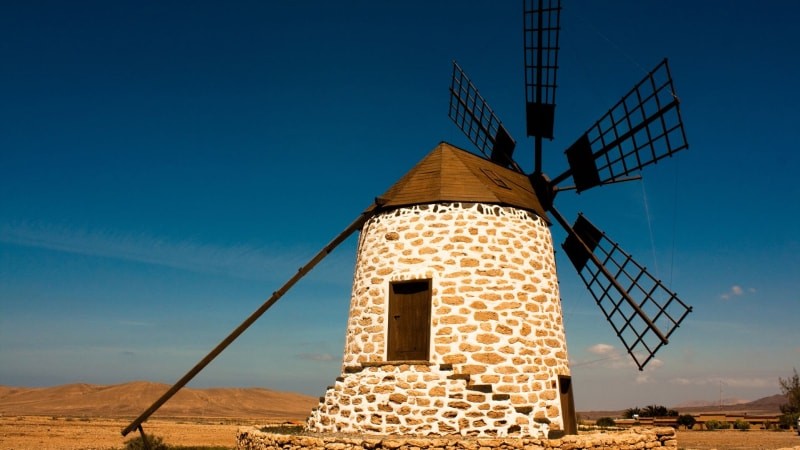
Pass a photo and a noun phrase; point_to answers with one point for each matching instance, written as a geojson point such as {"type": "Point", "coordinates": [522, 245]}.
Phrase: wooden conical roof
{"type": "Point", "coordinates": [450, 174]}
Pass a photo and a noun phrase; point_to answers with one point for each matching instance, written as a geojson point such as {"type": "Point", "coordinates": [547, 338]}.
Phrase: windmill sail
{"type": "Point", "coordinates": [541, 25]}
{"type": "Point", "coordinates": [642, 128]}
{"type": "Point", "coordinates": [472, 114]}
{"type": "Point", "coordinates": [642, 311]}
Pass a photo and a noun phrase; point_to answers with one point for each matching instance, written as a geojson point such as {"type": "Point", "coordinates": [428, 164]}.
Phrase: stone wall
{"type": "Point", "coordinates": [419, 399]}
{"type": "Point", "coordinates": [639, 438]}
{"type": "Point", "coordinates": [497, 342]}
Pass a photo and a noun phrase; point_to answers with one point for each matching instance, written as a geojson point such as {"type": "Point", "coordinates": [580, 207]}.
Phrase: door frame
{"type": "Point", "coordinates": [426, 314]}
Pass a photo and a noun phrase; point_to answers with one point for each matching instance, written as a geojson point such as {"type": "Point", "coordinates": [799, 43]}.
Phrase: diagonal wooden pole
{"type": "Point", "coordinates": [356, 225]}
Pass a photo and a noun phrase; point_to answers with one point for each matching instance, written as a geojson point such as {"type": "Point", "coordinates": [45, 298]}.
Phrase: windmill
{"type": "Point", "coordinates": [643, 127]}
{"type": "Point", "coordinates": [459, 307]}
{"type": "Point", "coordinates": [455, 320]}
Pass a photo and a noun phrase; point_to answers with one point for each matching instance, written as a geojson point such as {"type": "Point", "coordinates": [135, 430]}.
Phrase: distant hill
{"type": "Point", "coordinates": [131, 399]}
{"type": "Point", "coordinates": [696, 403]}
{"type": "Point", "coordinates": [766, 405]}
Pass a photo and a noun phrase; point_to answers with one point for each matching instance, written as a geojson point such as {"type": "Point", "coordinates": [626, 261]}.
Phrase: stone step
{"type": "Point", "coordinates": [446, 367]}
{"type": "Point", "coordinates": [501, 397]}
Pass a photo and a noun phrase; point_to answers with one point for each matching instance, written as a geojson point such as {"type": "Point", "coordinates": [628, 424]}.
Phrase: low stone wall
{"type": "Point", "coordinates": [635, 438]}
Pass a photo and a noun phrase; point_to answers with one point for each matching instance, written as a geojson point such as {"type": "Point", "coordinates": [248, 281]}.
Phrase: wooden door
{"type": "Point", "coordinates": [567, 405]}
{"type": "Point", "coordinates": [409, 327]}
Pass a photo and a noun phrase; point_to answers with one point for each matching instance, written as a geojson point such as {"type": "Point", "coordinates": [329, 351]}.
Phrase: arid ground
{"type": "Point", "coordinates": [81, 417]}
{"type": "Point", "coordinates": [738, 440]}
{"type": "Point", "coordinates": [46, 433]}
{"type": "Point", "coordinates": [69, 433]}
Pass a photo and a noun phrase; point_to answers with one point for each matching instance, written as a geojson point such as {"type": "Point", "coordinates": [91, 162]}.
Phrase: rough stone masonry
{"type": "Point", "coordinates": [633, 439]}
{"type": "Point", "coordinates": [497, 344]}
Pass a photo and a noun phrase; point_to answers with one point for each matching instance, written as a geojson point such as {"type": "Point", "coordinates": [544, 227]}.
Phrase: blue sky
{"type": "Point", "coordinates": [165, 166]}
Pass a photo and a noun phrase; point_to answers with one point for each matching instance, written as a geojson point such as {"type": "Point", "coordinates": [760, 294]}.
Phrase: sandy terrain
{"type": "Point", "coordinates": [81, 417]}
{"type": "Point", "coordinates": [46, 433]}
{"type": "Point", "coordinates": [29, 433]}
{"type": "Point", "coordinates": [737, 440]}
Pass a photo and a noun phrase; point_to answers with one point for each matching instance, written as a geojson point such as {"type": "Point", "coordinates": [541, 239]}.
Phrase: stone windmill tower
{"type": "Point", "coordinates": [455, 320]}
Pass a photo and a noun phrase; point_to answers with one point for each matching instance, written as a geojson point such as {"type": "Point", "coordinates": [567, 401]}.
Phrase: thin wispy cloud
{"type": "Point", "coordinates": [736, 291]}
{"type": "Point", "coordinates": [734, 382]}
{"type": "Point", "coordinates": [602, 349]}
{"type": "Point", "coordinates": [237, 260]}
{"type": "Point", "coordinates": [610, 357]}
{"type": "Point", "coordinates": [319, 357]}
{"type": "Point", "coordinates": [606, 356]}
{"type": "Point", "coordinates": [647, 374]}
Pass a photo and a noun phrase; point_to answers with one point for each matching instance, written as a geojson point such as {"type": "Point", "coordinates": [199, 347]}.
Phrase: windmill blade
{"type": "Point", "coordinates": [542, 26]}
{"type": "Point", "coordinates": [642, 311]}
{"type": "Point", "coordinates": [642, 128]}
{"type": "Point", "coordinates": [470, 112]}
